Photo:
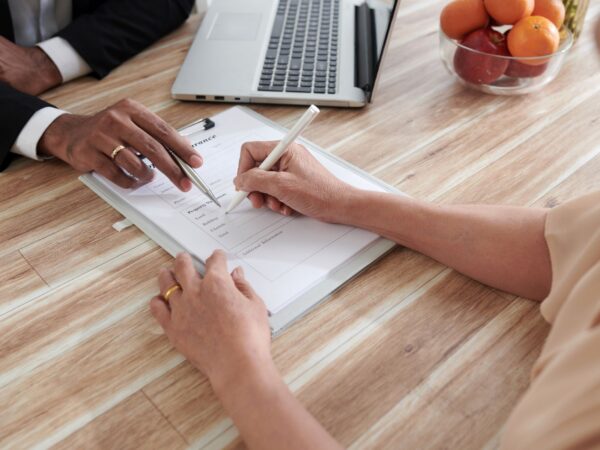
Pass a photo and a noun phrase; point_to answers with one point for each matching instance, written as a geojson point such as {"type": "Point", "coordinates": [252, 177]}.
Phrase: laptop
{"type": "Point", "coordinates": [296, 52]}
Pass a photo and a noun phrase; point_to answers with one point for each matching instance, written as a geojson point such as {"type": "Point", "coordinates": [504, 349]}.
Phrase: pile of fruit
{"type": "Point", "coordinates": [518, 28]}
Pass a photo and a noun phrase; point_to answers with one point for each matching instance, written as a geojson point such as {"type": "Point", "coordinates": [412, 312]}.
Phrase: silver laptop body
{"type": "Point", "coordinates": [247, 51]}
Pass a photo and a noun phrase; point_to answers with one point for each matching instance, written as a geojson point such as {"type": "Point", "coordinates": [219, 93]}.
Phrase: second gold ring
{"type": "Point", "coordinates": [167, 295]}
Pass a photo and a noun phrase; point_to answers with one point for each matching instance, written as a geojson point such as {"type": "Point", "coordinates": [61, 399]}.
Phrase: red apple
{"type": "Point", "coordinates": [481, 66]}
{"type": "Point", "coordinates": [517, 69]}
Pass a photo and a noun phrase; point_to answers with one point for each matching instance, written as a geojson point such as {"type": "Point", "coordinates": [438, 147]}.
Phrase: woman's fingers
{"type": "Point", "coordinates": [216, 263]}
{"type": "Point", "coordinates": [257, 180]}
{"type": "Point", "coordinates": [286, 210]}
{"type": "Point", "coordinates": [274, 204]}
{"type": "Point", "coordinates": [161, 313]}
{"type": "Point", "coordinates": [253, 153]}
{"type": "Point", "coordinates": [257, 199]}
{"type": "Point", "coordinates": [242, 284]}
{"type": "Point", "coordinates": [185, 272]}
{"type": "Point", "coordinates": [166, 280]}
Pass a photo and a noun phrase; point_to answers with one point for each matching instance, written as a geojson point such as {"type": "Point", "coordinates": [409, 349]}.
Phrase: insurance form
{"type": "Point", "coordinates": [282, 256]}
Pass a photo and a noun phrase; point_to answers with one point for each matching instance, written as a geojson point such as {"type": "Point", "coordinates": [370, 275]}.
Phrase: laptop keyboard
{"type": "Point", "coordinates": [303, 48]}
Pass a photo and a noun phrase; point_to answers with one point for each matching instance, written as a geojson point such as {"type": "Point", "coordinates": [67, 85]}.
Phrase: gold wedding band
{"type": "Point", "coordinates": [171, 291]}
{"type": "Point", "coordinates": [116, 151]}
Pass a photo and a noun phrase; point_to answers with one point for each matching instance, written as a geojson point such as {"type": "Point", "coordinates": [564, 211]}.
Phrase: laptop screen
{"type": "Point", "coordinates": [374, 22]}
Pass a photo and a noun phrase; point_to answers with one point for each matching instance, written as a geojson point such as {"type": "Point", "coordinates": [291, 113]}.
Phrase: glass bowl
{"type": "Point", "coordinates": [518, 76]}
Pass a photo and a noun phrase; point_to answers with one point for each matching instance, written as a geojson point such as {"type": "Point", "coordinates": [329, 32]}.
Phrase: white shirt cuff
{"type": "Point", "coordinates": [27, 141]}
{"type": "Point", "coordinates": [67, 60]}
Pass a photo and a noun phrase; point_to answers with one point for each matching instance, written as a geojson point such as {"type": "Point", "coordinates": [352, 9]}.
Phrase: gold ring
{"type": "Point", "coordinates": [171, 291]}
{"type": "Point", "coordinates": [116, 151]}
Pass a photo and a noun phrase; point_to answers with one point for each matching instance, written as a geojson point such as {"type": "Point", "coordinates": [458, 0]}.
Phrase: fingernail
{"type": "Point", "coordinates": [186, 184]}
{"type": "Point", "coordinates": [196, 161]}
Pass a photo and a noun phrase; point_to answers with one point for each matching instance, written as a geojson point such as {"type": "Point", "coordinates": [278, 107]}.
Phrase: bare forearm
{"type": "Point", "coordinates": [267, 414]}
{"type": "Point", "coordinates": [500, 246]}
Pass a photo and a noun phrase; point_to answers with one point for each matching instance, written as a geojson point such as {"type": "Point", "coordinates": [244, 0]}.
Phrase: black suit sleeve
{"type": "Point", "coordinates": [16, 109]}
{"type": "Point", "coordinates": [105, 38]}
{"type": "Point", "coordinates": [119, 29]}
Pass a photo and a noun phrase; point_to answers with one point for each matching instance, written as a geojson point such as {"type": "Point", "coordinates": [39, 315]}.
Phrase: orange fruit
{"type": "Point", "coordinates": [460, 17]}
{"type": "Point", "coordinates": [507, 12]}
{"type": "Point", "coordinates": [553, 10]}
{"type": "Point", "coordinates": [533, 36]}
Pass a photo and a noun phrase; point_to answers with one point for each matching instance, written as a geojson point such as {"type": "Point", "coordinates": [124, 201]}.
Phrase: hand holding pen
{"type": "Point", "coordinates": [276, 154]}
{"type": "Point", "coordinates": [190, 173]}
{"type": "Point", "coordinates": [108, 143]}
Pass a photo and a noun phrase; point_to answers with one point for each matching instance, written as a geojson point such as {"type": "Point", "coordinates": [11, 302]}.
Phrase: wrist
{"type": "Point", "coordinates": [339, 208]}
{"type": "Point", "coordinates": [54, 140]}
{"type": "Point", "coordinates": [349, 207]}
{"type": "Point", "coordinates": [47, 74]}
{"type": "Point", "coordinates": [400, 218]}
{"type": "Point", "coordinates": [244, 383]}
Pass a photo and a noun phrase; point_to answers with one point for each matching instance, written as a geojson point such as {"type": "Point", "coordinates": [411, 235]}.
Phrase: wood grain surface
{"type": "Point", "coordinates": [410, 354]}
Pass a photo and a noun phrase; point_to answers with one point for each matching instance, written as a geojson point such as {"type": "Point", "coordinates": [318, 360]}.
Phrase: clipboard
{"type": "Point", "coordinates": [308, 299]}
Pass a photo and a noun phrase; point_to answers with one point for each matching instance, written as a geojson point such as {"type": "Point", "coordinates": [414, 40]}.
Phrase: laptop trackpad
{"type": "Point", "coordinates": [235, 27]}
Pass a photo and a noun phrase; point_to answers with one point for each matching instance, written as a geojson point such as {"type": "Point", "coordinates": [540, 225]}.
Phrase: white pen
{"type": "Point", "coordinates": [278, 151]}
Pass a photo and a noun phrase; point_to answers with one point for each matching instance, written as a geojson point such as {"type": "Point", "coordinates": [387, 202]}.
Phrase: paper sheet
{"type": "Point", "coordinates": [282, 256]}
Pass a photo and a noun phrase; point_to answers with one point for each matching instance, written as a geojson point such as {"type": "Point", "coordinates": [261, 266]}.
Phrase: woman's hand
{"type": "Point", "coordinates": [298, 182]}
{"type": "Point", "coordinates": [218, 323]}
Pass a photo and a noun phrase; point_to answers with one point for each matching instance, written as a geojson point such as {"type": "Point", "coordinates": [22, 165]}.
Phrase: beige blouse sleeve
{"type": "Point", "coordinates": [561, 408]}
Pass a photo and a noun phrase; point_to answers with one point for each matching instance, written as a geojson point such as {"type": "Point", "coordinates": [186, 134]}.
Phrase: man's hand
{"type": "Point", "coordinates": [218, 323]}
{"type": "Point", "coordinates": [298, 182]}
{"type": "Point", "coordinates": [27, 69]}
{"type": "Point", "coordinates": [86, 143]}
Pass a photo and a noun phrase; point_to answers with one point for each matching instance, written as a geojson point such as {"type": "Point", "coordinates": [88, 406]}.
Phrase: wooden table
{"type": "Point", "coordinates": [408, 355]}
